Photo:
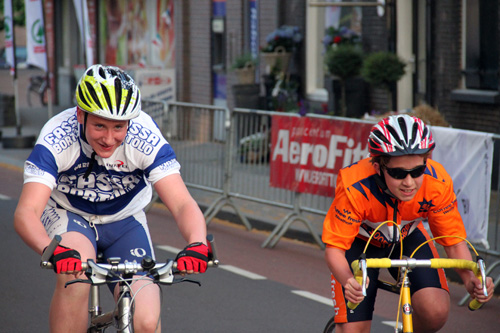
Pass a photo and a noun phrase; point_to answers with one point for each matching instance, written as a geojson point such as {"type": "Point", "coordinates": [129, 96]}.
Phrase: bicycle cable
{"type": "Point", "coordinates": [447, 236]}
{"type": "Point", "coordinates": [400, 257]}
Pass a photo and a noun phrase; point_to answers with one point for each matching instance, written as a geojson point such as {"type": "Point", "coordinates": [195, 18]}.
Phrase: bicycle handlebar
{"type": "Point", "coordinates": [100, 273]}
{"type": "Point", "coordinates": [478, 268]}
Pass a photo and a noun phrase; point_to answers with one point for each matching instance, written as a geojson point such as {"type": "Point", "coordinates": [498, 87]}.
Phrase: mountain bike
{"type": "Point", "coordinates": [402, 287]}
{"type": "Point", "coordinates": [115, 271]}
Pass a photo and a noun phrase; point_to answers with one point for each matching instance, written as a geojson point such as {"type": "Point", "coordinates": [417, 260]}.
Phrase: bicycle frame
{"type": "Point", "coordinates": [116, 271]}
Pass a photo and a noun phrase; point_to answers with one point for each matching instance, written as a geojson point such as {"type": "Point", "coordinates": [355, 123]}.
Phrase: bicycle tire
{"type": "Point", "coordinates": [44, 97]}
{"type": "Point", "coordinates": [330, 326]}
{"type": "Point", "coordinates": [31, 91]}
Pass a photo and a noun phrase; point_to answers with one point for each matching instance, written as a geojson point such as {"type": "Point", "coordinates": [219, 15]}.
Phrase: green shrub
{"type": "Point", "coordinates": [243, 60]}
{"type": "Point", "coordinates": [344, 61]}
{"type": "Point", "coordinates": [383, 68]}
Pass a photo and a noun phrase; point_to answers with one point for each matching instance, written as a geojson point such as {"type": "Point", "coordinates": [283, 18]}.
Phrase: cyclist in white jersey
{"type": "Point", "coordinates": [88, 179]}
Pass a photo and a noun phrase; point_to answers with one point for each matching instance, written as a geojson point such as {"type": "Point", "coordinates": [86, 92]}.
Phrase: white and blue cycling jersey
{"type": "Point", "coordinates": [118, 186]}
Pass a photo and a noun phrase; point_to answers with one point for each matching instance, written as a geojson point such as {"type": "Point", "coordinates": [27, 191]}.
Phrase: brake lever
{"type": "Point", "coordinates": [482, 269]}
{"type": "Point", "coordinates": [362, 264]}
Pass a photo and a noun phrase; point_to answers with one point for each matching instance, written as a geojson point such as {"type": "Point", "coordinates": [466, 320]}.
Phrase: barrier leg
{"type": "Point", "coordinates": [306, 223]}
{"type": "Point", "coordinates": [277, 229]}
{"type": "Point", "coordinates": [217, 206]}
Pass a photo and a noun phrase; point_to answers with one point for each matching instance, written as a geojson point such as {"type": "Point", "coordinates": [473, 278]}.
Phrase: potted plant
{"type": "Point", "coordinates": [279, 46]}
{"type": "Point", "coordinates": [244, 68]}
{"type": "Point", "coordinates": [343, 61]}
{"type": "Point", "coordinates": [383, 69]}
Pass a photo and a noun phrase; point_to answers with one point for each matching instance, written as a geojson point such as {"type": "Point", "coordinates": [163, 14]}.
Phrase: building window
{"type": "Point", "coordinates": [319, 18]}
{"type": "Point", "coordinates": [481, 44]}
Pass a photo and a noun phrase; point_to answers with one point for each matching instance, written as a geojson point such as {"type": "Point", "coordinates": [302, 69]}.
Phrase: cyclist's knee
{"type": "Point", "coordinates": [431, 323]}
{"type": "Point", "coordinates": [431, 308]}
{"type": "Point", "coordinates": [147, 323]}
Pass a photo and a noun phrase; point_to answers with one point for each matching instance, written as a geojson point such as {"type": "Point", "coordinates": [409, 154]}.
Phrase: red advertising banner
{"type": "Point", "coordinates": [307, 153]}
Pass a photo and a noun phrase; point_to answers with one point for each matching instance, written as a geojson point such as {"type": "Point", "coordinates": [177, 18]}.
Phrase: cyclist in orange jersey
{"type": "Point", "coordinates": [400, 183]}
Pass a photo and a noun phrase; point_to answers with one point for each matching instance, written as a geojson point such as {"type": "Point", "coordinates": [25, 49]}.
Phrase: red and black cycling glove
{"type": "Point", "coordinates": [194, 257]}
{"type": "Point", "coordinates": [65, 260]}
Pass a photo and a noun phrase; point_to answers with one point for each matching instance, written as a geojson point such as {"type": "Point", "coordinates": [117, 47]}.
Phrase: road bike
{"type": "Point", "coordinates": [402, 286]}
{"type": "Point", "coordinates": [37, 90]}
{"type": "Point", "coordinates": [98, 274]}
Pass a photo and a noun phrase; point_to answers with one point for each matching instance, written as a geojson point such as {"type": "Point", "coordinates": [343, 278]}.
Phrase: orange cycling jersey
{"type": "Point", "coordinates": [361, 204]}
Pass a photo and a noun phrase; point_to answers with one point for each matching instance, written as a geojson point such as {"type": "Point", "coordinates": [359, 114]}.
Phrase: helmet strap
{"type": "Point", "coordinates": [84, 137]}
{"type": "Point", "coordinates": [91, 166]}
{"type": "Point", "coordinates": [380, 180]}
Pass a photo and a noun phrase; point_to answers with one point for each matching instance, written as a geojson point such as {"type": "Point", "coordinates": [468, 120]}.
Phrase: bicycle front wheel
{"type": "Point", "coordinates": [330, 326]}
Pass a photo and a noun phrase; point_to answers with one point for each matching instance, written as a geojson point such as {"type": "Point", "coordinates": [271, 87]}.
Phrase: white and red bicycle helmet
{"type": "Point", "coordinates": [400, 135]}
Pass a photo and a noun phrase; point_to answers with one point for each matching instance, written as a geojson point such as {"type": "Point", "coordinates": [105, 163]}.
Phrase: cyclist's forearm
{"type": "Point", "coordinates": [30, 229]}
{"type": "Point", "coordinates": [27, 223]}
{"type": "Point", "coordinates": [191, 223]}
{"type": "Point", "coordinates": [460, 251]}
{"type": "Point", "coordinates": [338, 264]}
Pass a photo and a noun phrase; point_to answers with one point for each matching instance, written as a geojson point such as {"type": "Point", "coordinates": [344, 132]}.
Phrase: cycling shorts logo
{"type": "Point", "coordinates": [80, 223]}
{"type": "Point", "coordinates": [138, 252]}
{"type": "Point", "coordinates": [407, 309]}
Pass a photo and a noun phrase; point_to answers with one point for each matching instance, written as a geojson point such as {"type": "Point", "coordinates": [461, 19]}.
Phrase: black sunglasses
{"type": "Point", "coordinates": [400, 173]}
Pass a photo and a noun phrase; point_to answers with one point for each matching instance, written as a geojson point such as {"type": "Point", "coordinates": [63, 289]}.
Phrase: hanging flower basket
{"type": "Point", "coordinates": [278, 59]}
{"type": "Point", "coordinates": [246, 75]}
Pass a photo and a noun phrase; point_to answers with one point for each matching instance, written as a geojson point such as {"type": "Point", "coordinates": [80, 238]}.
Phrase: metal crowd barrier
{"type": "Point", "coordinates": [227, 153]}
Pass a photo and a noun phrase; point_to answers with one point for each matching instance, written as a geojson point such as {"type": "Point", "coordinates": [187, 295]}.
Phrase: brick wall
{"type": "Point", "coordinates": [447, 68]}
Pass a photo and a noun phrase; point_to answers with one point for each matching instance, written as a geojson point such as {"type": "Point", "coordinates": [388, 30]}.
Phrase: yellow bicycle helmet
{"type": "Point", "coordinates": [108, 92]}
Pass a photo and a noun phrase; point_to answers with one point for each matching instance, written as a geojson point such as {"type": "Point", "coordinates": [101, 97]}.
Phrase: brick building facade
{"type": "Point", "coordinates": [443, 40]}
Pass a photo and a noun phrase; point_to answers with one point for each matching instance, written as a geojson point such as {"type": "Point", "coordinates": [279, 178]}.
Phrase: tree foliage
{"type": "Point", "coordinates": [19, 13]}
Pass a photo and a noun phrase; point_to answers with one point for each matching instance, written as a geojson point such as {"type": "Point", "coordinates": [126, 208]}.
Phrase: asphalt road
{"type": "Point", "coordinates": [285, 289]}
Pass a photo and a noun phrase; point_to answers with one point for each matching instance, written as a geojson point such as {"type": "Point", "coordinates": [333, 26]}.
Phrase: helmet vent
{"type": "Point", "coordinates": [127, 102]}
{"type": "Point", "coordinates": [106, 96]}
{"type": "Point", "coordinates": [93, 94]}
{"type": "Point", "coordinates": [81, 97]}
{"type": "Point", "coordinates": [382, 137]}
{"type": "Point", "coordinates": [118, 94]}
{"type": "Point", "coordinates": [394, 134]}
{"type": "Point", "coordinates": [404, 129]}
{"type": "Point", "coordinates": [414, 133]}
{"type": "Point", "coordinates": [102, 73]}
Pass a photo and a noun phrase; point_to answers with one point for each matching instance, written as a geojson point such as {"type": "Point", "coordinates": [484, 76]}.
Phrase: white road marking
{"type": "Point", "coordinates": [393, 324]}
{"type": "Point", "coordinates": [242, 272]}
{"type": "Point", "coordinates": [314, 297]}
{"type": "Point", "coordinates": [4, 197]}
{"type": "Point", "coordinates": [254, 276]}
{"type": "Point", "coordinates": [169, 248]}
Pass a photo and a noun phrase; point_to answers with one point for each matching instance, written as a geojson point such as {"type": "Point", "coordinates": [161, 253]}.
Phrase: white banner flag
{"type": "Point", "coordinates": [82, 16]}
{"type": "Point", "coordinates": [468, 157]}
{"type": "Point", "coordinates": [9, 33]}
{"type": "Point", "coordinates": [35, 34]}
